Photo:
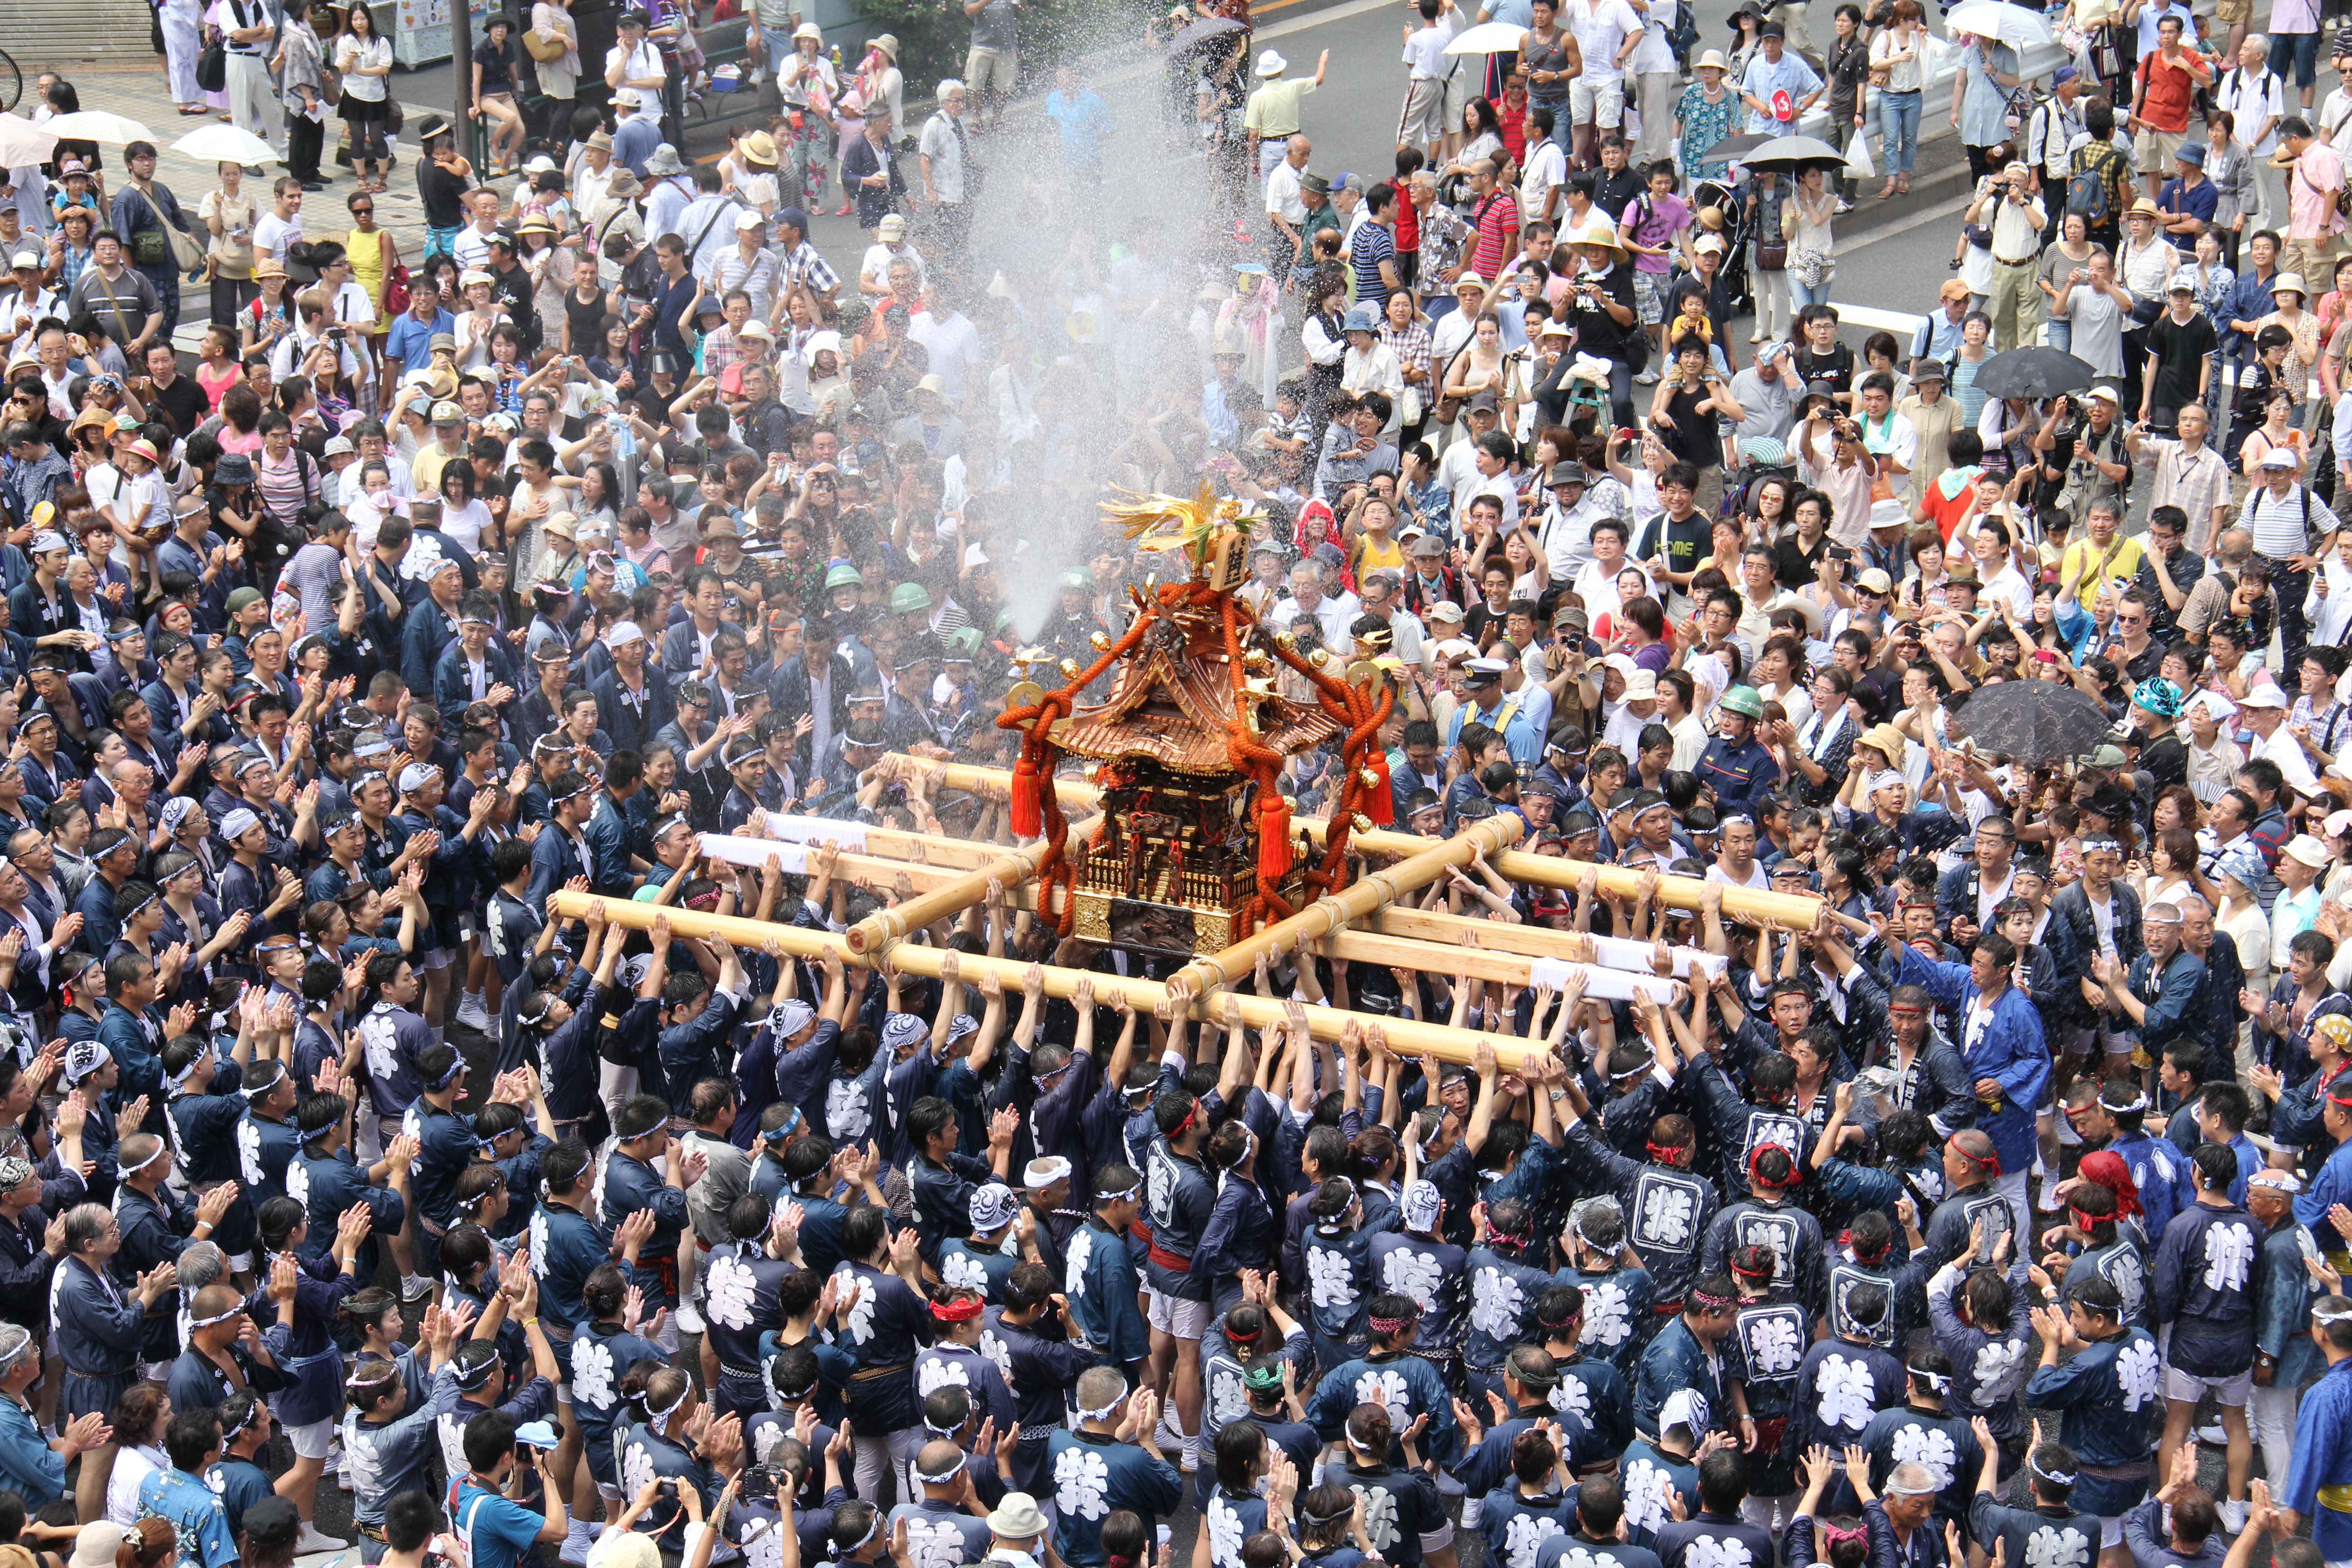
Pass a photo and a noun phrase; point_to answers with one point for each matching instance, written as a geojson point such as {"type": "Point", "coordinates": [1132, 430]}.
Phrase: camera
{"type": "Point", "coordinates": [1839, 552]}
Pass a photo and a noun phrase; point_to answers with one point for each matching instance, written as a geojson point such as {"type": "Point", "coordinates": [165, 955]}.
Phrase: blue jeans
{"type": "Point", "coordinates": [1799, 296]}
{"type": "Point", "coordinates": [2060, 330]}
{"type": "Point", "coordinates": [2299, 49]}
{"type": "Point", "coordinates": [1898, 122]}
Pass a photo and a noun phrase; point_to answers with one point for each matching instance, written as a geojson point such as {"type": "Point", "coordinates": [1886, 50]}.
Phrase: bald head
{"type": "Point", "coordinates": [940, 1458]}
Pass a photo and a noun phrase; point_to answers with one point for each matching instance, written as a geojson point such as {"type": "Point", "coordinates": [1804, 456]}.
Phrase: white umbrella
{"type": "Point", "coordinates": [22, 142]}
{"type": "Point", "coordinates": [97, 125]}
{"type": "Point", "coordinates": [2012, 24]}
{"type": "Point", "coordinates": [220, 143]}
{"type": "Point", "coordinates": [1487, 39]}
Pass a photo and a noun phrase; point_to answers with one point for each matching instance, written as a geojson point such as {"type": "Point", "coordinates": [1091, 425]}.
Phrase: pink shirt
{"type": "Point", "coordinates": [2311, 193]}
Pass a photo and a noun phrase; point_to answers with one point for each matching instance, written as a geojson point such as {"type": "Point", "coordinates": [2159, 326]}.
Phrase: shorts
{"type": "Point", "coordinates": [2187, 1387]}
{"type": "Point", "coordinates": [312, 1440]}
{"type": "Point", "coordinates": [1601, 103]}
{"type": "Point", "coordinates": [1172, 1315]}
{"type": "Point", "coordinates": [987, 68]}
{"type": "Point", "coordinates": [2111, 1532]}
{"type": "Point", "coordinates": [2233, 11]}
{"type": "Point", "coordinates": [1435, 1540]}
{"type": "Point", "coordinates": [2155, 148]}
{"type": "Point", "coordinates": [1649, 296]}
{"type": "Point", "coordinates": [1425, 111]}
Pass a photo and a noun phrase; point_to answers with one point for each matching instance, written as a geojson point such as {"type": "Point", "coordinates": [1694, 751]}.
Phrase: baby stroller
{"type": "Point", "coordinates": [1731, 201]}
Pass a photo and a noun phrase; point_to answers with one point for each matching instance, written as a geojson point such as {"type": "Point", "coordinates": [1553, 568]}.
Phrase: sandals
{"type": "Point", "coordinates": [1889, 189]}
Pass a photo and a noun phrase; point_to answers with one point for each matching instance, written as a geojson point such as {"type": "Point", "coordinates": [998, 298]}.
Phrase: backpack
{"type": "Point", "coordinates": [2087, 185]}
{"type": "Point", "coordinates": [1682, 33]}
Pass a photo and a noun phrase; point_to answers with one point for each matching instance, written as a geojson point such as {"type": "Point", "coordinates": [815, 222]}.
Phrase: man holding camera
{"type": "Point", "coordinates": [2017, 224]}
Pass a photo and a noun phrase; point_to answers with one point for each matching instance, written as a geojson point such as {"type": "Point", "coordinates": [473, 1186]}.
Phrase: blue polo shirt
{"type": "Point", "coordinates": [410, 340]}
{"type": "Point", "coordinates": [496, 1530]}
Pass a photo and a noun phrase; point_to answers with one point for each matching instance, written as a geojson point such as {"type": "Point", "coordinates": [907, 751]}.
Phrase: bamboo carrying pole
{"type": "Point", "coordinates": [1789, 912]}
{"type": "Point", "coordinates": [1374, 892]}
{"type": "Point", "coordinates": [1406, 1037]}
{"type": "Point", "coordinates": [877, 931]}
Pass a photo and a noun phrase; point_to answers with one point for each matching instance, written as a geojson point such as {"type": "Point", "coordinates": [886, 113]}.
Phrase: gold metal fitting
{"type": "Point", "coordinates": [1070, 670]}
{"type": "Point", "coordinates": [1092, 771]}
{"type": "Point", "coordinates": [1257, 662]}
{"type": "Point", "coordinates": [1101, 641]}
{"type": "Point", "coordinates": [1361, 823]}
{"type": "Point", "coordinates": [1284, 641]}
{"type": "Point", "coordinates": [1368, 778]}
{"type": "Point", "coordinates": [1320, 658]}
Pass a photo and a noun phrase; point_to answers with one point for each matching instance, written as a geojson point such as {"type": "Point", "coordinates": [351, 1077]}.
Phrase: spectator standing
{"type": "Point", "coordinates": [2315, 229]}
{"type": "Point", "coordinates": [991, 66]}
{"type": "Point", "coordinates": [1271, 118]}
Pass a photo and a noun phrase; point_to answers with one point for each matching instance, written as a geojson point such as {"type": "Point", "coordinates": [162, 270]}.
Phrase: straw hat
{"type": "Point", "coordinates": [760, 148]}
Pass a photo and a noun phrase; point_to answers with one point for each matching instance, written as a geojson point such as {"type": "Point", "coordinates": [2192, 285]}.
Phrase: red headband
{"type": "Point", "coordinates": [1845, 1238]}
{"type": "Point", "coordinates": [959, 1311]}
{"type": "Point", "coordinates": [1663, 1153]}
{"type": "Point", "coordinates": [2087, 1223]}
{"type": "Point", "coordinates": [1250, 1338]}
{"type": "Point", "coordinates": [1753, 1273]}
{"type": "Point", "coordinates": [1712, 1301]}
{"type": "Point", "coordinates": [1755, 1178]}
{"type": "Point", "coordinates": [1834, 1536]}
{"type": "Point", "coordinates": [1990, 1161]}
{"type": "Point", "coordinates": [1389, 1325]}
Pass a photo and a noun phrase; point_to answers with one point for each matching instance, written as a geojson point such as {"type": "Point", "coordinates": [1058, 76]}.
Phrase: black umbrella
{"type": "Point", "coordinates": [2033, 720]}
{"type": "Point", "coordinates": [1202, 32]}
{"type": "Point", "coordinates": [2034, 372]}
{"type": "Point", "coordinates": [1739, 146]}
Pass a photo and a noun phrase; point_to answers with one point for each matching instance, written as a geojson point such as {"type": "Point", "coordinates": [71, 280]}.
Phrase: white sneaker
{"type": "Point", "coordinates": [1756, 336]}
{"type": "Point", "coordinates": [2049, 1201]}
{"type": "Point", "coordinates": [2233, 1517]}
{"type": "Point", "coordinates": [2214, 1435]}
{"type": "Point", "coordinates": [689, 1322]}
{"type": "Point", "coordinates": [472, 1013]}
{"type": "Point", "coordinates": [415, 1287]}
{"type": "Point", "coordinates": [311, 1539]}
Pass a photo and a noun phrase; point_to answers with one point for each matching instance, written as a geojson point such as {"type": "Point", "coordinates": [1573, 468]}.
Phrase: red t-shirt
{"type": "Point", "coordinates": [2167, 90]}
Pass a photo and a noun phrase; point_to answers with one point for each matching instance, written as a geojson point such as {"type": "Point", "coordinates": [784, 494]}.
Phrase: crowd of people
{"type": "Point", "coordinates": [1948, 1225]}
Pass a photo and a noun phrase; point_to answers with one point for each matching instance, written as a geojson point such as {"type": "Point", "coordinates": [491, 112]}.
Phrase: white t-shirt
{"type": "Point", "coordinates": [273, 236]}
{"type": "Point", "coordinates": [1547, 168]}
{"type": "Point", "coordinates": [876, 266]}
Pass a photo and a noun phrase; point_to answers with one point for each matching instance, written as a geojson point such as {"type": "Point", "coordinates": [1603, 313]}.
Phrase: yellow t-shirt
{"type": "Point", "coordinates": [2121, 559]}
{"type": "Point", "coordinates": [1371, 557]}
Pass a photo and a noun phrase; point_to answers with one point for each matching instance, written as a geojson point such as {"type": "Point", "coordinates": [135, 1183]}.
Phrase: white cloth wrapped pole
{"type": "Point", "coordinates": [1607, 985]}
{"type": "Point", "coordinates": [738, 850]}
{"type": "Point", "coordinates": [812, 831]}
{"type": "Point", "coordinates": [1623, 952]}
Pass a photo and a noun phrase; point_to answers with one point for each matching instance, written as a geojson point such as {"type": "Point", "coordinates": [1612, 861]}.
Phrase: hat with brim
{"type": "Point", "coordinates": [1017, 1518]}
{"type": "Point", "coordinates": [1271, 64]}
{"type": "Point", "coordinates": [665, 160]}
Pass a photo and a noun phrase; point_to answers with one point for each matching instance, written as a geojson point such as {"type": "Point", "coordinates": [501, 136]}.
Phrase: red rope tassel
{"type": "Point", "coordinates": [1381, 806]}
{"type": "Point", "coordinates": [1273, 830]}
{"type": "Point", "coordinates": [1026, 823]}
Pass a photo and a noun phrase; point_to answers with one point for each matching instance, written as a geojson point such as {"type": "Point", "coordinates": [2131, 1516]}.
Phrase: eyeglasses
{"type": "Point", "coordinates": [363, 211]}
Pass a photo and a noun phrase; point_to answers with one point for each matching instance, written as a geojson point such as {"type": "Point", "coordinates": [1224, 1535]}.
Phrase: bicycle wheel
{"type": "Point", "coordinates": [12, 83]}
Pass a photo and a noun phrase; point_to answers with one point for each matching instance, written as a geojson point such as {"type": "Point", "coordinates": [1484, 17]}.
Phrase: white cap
{"type": "Point", "coordinates": [1640, 685]}
{"type": "Point", "coordinates": [2281, 458]}
{"type": "Point", "coordinates": [2311, 851]}
{"type": "Point", "coordinates": [623, 634]}
{"type": "Point", "coordinates": [2264, 695]}
{"type": "Point", "coordinates": [749, 218]}
{"type": "Point", "coordinates": [1454, 647]}
{"type": "Point", "coordinates": [2337, 822]}
{"type": "Point", "coordinates": [2213, 703]}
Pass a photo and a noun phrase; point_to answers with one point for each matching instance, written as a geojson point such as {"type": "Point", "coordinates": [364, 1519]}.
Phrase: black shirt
{"type": "Point", "coordinates": [497, 63]}
{"type": "Point", "coordinates": [2179, 348]}
{"type": "Point", "coordinates": [1597, 331]}
{"type": "Point", "coordinates": [1836, 367]}
{"type": "Point", "coordinates": [586, 322]}
{"type": "Point", "coordinates": [443, 193]}
{"type": "Point", "coordinates": [1681, 543]}
{"type": "Point", "coordinates": [183, 404]}
{"type": "Point", "coordinates": [1693, 438]}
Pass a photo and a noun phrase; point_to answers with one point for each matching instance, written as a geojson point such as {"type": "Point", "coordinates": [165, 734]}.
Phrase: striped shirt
{"type": "Point", "coordinates": [757, 277]}
{"type": "Point", "coordinates": [2277, 522]}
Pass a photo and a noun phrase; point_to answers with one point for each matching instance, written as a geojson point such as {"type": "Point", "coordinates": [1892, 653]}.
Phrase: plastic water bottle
{"type": "Point", "coordinates": [836, 59]}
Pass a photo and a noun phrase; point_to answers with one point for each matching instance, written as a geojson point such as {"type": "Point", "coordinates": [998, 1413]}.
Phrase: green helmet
{"type": "Point", "coordinates": [1003, 619]}
{"type": "Point", "coordinates": [908, 597]}
{"type": "Point", "coordinates": [1078, 577]}
{"type": "Point", "coordinates": [844, 576]}
{"type": "Point", "coordinates": [961, 644]}
{"type": "Point", "coordinates": [1744, 701]}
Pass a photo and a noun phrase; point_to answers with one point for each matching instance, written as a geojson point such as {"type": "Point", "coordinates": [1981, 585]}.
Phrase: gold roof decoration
{"type": "Point", "coordinates": [1173, 705]}
{"type": "Point", "coordinates": [1207, 529]}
